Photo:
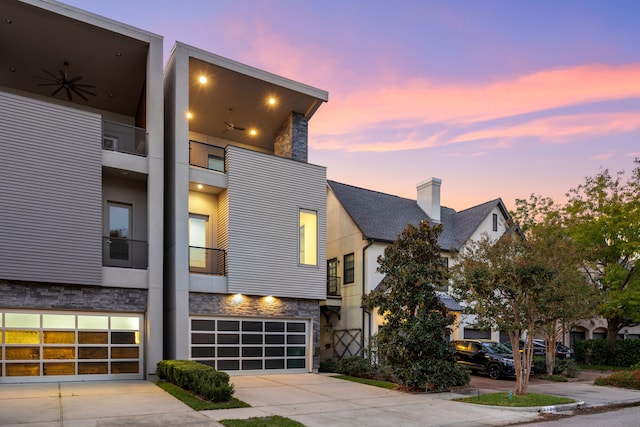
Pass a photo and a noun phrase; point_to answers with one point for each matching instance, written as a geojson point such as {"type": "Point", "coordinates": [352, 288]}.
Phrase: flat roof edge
{"type": "Point", "coordinates": [254, 72]}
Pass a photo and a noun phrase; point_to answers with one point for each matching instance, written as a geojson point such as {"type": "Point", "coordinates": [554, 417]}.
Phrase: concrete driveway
{"type": "Point", "coordinates": [317, 400]}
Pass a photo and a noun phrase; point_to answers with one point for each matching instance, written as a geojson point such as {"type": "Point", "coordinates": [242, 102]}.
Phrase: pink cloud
{"type": "Point", "coordinates": [560, 129]}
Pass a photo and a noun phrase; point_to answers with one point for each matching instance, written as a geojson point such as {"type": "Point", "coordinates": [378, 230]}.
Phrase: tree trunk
{"type": "Point", "coordinates": [550, 354]}
{"type": "Point", "coordinates": [613, 326]}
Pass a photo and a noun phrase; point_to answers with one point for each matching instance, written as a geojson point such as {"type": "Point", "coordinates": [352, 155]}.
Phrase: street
{"type": "Point", "coordinates": [626, 417]}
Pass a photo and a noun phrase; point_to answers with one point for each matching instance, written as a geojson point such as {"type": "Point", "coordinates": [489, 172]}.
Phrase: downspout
{"type": "Point", "coordinates": [364, 309]}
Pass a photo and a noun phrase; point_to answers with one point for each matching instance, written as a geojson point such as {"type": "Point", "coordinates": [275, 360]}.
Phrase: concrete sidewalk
{"type": "Point", "coordinates": [315, 400]}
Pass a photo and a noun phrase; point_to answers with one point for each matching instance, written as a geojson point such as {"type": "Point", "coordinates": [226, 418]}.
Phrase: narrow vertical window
{"type": "Point", "coordinates": [349, 268]}
{"type": "Point", "coordinates": [308, 237]}
{"type": "Point", "coordinates": [495, 222]}
{"type": "Point", "coordinates": [198, 243]}
{"type": "Point", "coordinates": [119, 233]}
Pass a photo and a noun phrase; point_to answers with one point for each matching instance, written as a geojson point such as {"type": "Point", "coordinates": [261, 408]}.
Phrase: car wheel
{"type": "Point", "coordinates": [494, 372]}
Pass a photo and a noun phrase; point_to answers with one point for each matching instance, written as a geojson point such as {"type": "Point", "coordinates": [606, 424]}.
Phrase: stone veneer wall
{"type": "Point", "coordinates": [291, 142]}
{"type": "Point", "coordinates": [205, 304]}
{"type": "Point", "coordinates": [52, 296]}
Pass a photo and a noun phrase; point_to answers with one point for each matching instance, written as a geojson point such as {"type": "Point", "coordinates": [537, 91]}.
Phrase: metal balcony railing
{"type": "Point", "coordinates": [124, 138]}
{"type": "Point", "coordinates": [207, 260]}
{"type": "Point", "coordinates": [206, 156]}
{"type": "Point", "coordinates": [333, 286]}
{"type": "Point", "coordinates": [123, 252]}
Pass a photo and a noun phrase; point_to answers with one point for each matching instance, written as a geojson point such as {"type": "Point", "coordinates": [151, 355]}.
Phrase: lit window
{"type": "Point", "coordinates": [308, 239]}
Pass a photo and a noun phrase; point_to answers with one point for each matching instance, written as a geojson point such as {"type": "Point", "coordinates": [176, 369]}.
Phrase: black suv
{"type": "Point", "coordinates": [489, 357]}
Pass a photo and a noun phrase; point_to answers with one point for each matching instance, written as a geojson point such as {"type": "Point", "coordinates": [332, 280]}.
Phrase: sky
{"type": "Point", "coordinates": [497, 98]}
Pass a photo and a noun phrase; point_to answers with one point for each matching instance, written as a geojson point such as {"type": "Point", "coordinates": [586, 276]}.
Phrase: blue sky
{"type": "Point", "coordinates": [496, 98]}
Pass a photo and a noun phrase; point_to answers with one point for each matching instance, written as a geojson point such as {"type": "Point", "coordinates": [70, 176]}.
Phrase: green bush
{"type": "Point", "coordinates": [622, 353]}
{"type": "Point", "coordinates": [330, 365]}
{"type": "Point", "coordinates": [623, 379]}
{"type": "Point", "coordinates": [356, 366]}
{"type": "Point", "coordinates": [198, 378]}
{"type": "Point", "coordinates": [461, 376]}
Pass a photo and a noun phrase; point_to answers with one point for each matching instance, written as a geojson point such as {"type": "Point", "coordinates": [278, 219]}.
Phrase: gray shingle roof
{"type": "Point", "coordinates": [383, 216]}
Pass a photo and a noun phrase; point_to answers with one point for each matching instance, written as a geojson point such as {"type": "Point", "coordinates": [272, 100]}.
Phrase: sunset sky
{"type": "Point", "coordinates": [497, 98]}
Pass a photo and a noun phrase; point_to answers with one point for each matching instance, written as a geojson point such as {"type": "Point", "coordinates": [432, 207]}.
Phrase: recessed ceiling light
{"type": "Point", "coordinates": [202, 79]}
{"type": "Point", "coordinates": [200, 186]}
{"type": "Point", "coordinates": [189, 115]}
{"type": "Point", "coordinates": [8, 21]}
{"type": "Point", "coordinates": [118, 54]}
{"type": "Point", "coordinates": [253, 132]}
{"type": "Point", "coordinates": [12, 69]}
{"type": "Point", "coordinates": [272, 101]}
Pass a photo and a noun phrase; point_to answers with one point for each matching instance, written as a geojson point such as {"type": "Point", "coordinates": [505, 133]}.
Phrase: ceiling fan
{"type": "Point", "coordinates": [71, 86]}
{"type": "Point", "coordinates": [230, 125]}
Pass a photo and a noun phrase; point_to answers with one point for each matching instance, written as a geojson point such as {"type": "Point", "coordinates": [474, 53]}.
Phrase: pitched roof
{"type": "Point", "coordinates": [382, 217]}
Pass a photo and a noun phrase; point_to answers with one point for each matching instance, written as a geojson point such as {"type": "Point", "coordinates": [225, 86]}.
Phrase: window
{"type": "Point", "coordinates": [215, 163]}
{"type": "Point", "coordinates": [119, 222]}
{"type": "Point", "coordinates": [495, 222]}
{"type": "Point", "coordinates": [198, 243]}
{"type": "Point", "coordinates": [349, 268]}
{"type": "Point", "coordinates": [308, 237]}
{"type": "Point", "coordinates": [333, 283]}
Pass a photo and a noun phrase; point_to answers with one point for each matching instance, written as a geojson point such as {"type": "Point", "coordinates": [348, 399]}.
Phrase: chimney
{"type": "Point", "coordinates": [429, 197]}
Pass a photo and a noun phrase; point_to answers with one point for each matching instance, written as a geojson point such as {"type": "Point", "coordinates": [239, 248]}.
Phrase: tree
{"type": "Point", "coordinates": [567, 297]}
{"type": "Point", "coordinates": [603, 217]}
{"type": "Point", "coordinates": [500, 282]}
{"type": "Point", "coordinates": [413, 339]}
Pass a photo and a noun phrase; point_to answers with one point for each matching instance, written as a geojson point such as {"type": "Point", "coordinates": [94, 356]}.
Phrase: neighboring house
{"type": "Point", "coordinates": [361, 223]}
{"type": "Point", "coordinates": [81, 195]}
{"type": "Point", "coordinates": [245, 217]}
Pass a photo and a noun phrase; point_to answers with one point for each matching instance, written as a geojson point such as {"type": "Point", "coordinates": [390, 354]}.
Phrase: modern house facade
{"type": "Point", "coordinates": [81, 195]}
{"type": "Point", "coordinates": [245, 217]}
{"type": "Point", "coordinates": [361, 223]}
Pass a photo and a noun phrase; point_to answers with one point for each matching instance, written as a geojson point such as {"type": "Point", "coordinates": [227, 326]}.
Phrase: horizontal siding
{"type": "Point", "coordinates": [50, 192]}
{"type": "Point", "coordinates": [265, 194]}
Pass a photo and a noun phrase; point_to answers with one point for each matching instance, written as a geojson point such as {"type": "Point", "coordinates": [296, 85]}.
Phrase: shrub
{"type": "Point", "coordinates": [622, 353]}
{"type": "Point", "coordinates": [623, 379]}
{"type": "Point", "coordinates": [461, 375]}
{"type": "Point", "coordinates": [356, 366]}
{"type": "Point", "coordinates": [330, 365]}
{"type": "Point", "coordinates": [198, 378]}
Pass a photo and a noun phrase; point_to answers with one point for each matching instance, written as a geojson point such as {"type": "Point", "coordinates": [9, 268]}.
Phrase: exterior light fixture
{"type": "Point", "coordinates": [200, 186]}
{"type": "Point", "coordinates": [271, 100]}
{"type": "Point", "coordinates": [189, 115]}
{"type": "Point", "coordinates": [202, 79]}
{"type": "Point", "coordinates": [253, 132]}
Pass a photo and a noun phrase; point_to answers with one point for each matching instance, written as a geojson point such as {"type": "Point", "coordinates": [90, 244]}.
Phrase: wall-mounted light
{"type": "Point", "coordinates": [189, 115]}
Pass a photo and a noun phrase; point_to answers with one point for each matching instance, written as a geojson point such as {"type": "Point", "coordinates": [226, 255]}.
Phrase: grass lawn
{"type": "Point", "coordinates": [502, 399]}
{"type": "Point", "coordinates": [272, 421]}
{"type": "Point", "coordinates": [198, 404]}
{"type": "Point", "coordinates": [377, 383]}
{"type": "Point", "coordinates": [556, 378]}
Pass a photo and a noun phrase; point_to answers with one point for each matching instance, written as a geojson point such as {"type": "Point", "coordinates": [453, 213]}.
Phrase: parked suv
{"type": "Point", "coordinates": [485, 356]}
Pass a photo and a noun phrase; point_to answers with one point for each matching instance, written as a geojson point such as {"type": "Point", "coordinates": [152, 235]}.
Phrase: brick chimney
{"type": "Point", "coordinates": [429, 197]}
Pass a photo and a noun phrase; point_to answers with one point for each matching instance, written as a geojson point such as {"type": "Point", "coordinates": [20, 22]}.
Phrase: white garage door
{"type": "Point", "coordinates": [62, 346]}
{"type": "Point", "coordinates": [266, 345]}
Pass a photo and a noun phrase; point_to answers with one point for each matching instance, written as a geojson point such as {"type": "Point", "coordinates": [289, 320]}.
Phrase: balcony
{"type": "Point", "coordinates": [123, 138]}
{"type": "Point", "coordinates": [333, 286]}
{"type": "Point", "coordinates": [206, 156]}
{"type": "Point", "coordinates": [207, 261]}
{"type": "Point", "coordinates": [125, 253]}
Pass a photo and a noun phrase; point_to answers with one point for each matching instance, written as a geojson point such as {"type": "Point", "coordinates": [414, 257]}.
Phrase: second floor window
{"type": "Point", "coordinates": [308, 238]}
{"type": "Point", "coordinates": [495, 222]}
{"type": "Point", "coordinates": [349, 268]}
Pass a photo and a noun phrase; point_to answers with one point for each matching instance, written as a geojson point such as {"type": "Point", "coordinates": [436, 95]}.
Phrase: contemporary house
{"type": "Point", "coordinates": [81, 195]}
{"type": "Point", "coordinates": [361, 223]}
{"type": "Point", "coordinates": [245, 217]}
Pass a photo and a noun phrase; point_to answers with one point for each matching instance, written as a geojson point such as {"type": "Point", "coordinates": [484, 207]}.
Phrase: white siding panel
{"type": "Point", "coordinates": [265, 194]}
{"type": "Point", "coordinates": [50, 192]}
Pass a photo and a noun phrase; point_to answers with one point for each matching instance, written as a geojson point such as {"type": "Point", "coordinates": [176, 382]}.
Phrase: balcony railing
{"type": "Point", "coordinates": [206, 156]}
{"type": "Point", "coordinates": [207, 260]}
{"type": "Point", "coordinates": [124, 138]}
{"type": "Point", "coordinates": [123, 252]}
{"type": "Point", "coordinates": [333, 286]}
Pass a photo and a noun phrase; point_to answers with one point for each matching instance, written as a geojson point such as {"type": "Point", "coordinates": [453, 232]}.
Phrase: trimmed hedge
{"type": "Point", "coordinates": [623, 353]}
{"type": "Point", "coordinates": [198, 378]}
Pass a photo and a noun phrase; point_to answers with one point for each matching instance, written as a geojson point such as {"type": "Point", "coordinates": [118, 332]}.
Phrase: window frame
{"type": "Point", "coordinates": [349, 268]}
{"type": "Point", "coordinates": [495, 222]}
